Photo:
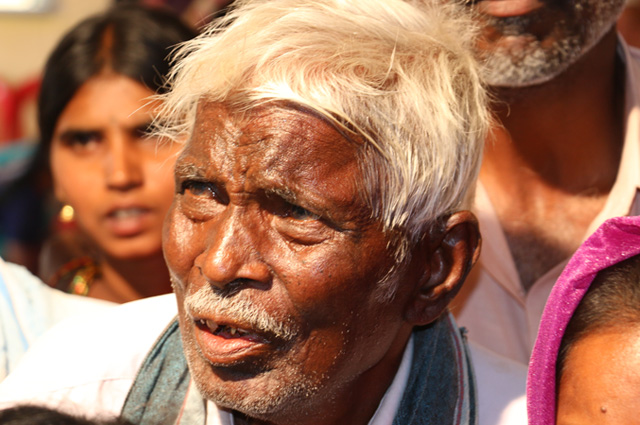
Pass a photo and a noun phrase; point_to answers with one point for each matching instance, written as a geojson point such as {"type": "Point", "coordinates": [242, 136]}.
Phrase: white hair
{"type": "Point", "coordinates": [399, 78]}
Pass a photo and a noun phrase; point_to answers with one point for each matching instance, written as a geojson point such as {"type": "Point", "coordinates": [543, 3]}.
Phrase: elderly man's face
{"type": "Point", "coordinates": [532, 41]}
{"type": "Point", "coordinates": [275, 259]}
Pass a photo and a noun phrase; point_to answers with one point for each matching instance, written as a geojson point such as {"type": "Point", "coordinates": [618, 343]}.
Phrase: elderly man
{"type": "Point", "coordinates": [564, 158]}
{"type": "Point", "coordinates": [317, 234]}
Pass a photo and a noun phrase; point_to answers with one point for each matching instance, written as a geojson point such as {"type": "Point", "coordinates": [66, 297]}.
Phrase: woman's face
{"type": "Point", "coordinates": [601, 379]}
{"type": "Point", "coordinates": [119, 182]}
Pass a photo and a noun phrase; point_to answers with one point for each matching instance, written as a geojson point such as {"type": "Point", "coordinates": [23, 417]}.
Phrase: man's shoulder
{"type": "Point", "coordinates": [90, 360]}
{"type": "Point", "coordinates": [28, 307]}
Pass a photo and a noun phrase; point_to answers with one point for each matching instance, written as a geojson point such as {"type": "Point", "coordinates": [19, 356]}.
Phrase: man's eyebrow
{"type": "Point", "coordinates": [189, 171]}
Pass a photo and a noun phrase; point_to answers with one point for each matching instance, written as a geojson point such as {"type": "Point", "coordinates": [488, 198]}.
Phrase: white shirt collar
{"type": "Point", "coordinates": [391, 399]}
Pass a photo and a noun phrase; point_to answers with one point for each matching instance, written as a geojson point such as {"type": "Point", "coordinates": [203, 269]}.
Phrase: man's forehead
{"type": "Point", "coordinates": [274, 148]}
{"type": "Point", "coordinates": [277, 134]}
{"type": "Point", "coordinates": [267, 121]}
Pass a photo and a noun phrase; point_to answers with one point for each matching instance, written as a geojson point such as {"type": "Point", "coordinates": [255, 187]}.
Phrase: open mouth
{"type": "Point", "coordinates": [228, 332]}
{"type": "Point", "coordinates": [128, 221]}
{"type": "Point", "coordinates": [125, 213]}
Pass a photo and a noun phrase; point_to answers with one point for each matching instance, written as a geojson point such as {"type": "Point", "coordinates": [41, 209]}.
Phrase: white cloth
{"type": "Point", "coordinates": [492, 305]}
{"type": "Point", "coordinates": [108, 350]}
{"type": "Point", "coordinates": [28, 308]}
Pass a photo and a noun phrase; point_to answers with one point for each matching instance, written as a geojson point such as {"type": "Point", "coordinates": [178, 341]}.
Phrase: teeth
{"type": "Point", "coordinates": [127, 212]}
{"type": "Point", "coordinates": [213, 326]}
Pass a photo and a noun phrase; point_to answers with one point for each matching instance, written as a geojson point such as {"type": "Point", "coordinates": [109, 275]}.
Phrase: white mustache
{"type": "Point", "coordinates": [240, 310]}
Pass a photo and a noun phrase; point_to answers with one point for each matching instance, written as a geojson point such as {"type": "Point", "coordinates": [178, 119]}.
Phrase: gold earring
{"type": "Point", "coordinates": [66, 214]}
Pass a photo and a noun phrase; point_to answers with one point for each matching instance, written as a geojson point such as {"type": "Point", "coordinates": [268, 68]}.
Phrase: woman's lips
{"type": "Point", "coordinates": [507, 8]}
{"type": "Point", "coordinates": [128, 221]}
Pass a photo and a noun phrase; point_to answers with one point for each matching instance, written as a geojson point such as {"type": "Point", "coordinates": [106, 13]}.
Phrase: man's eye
{"type": "Point", "coordinates": [203, 190]}
{"type": "Point", "coordinates": [197, 188]}
{"type": "Point", "coordinates": [299, 213]}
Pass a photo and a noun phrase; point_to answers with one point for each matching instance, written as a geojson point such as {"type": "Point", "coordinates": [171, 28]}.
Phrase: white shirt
{"type": "Point", "coordinates": [90, 379]}
{"type": "Point", "coordinates": [492, 304]}
{"type": "Point", "coordinates": [28, 308]}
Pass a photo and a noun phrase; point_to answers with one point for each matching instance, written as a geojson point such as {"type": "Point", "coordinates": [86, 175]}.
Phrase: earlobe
{"type": "Point", "coordinates": [455, 247]}
{"type": "Point", "coordinates": [59, 193]}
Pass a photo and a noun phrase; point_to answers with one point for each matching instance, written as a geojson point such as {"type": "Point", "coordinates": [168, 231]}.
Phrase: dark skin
{"type": "Point", "coordinates": [629, 23]}
{"type": "Point", "coordinates": [118, 181]}
{"type": "Point", "coordinates": [549, 169]}
{"type": "Point", "coordinates": [268, 211]}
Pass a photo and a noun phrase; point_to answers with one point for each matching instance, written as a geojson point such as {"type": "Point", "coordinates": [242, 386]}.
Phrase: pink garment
{"type": "Point", "coordinates": [616, 240]}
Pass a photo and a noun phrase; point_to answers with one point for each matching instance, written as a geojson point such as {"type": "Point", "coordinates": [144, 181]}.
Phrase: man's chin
{"type": "Point", "coordinates": [533, 68]}
{"type": "Point", "coordinates": [260, 397]}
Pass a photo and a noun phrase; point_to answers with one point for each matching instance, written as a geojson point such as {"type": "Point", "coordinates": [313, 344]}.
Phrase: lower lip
{"type": "Point", "coordinates": [221, 351]}
{"type": "Point", "coordinates": [507, 8]}
{"type": "Point", "coordinates": [130, 225]}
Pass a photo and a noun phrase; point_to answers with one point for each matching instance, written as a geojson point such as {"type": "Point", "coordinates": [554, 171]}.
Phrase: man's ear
{"type": "Point", "coordinates": [454, 247]}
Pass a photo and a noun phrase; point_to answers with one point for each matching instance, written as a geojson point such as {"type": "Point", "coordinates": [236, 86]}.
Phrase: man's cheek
{"type": "Point", "coordinates": [182, 241]}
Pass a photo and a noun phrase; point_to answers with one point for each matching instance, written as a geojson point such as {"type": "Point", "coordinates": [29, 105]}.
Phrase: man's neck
{"type": "Point", "coordinates": [576, 116]}
{"type": "Point", "coordinates": [550, 167]}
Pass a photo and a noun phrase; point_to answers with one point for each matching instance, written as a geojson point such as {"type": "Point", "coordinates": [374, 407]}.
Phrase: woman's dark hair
{"type": "Point", "coordinates": [129, 40]}
{"type": "Point", "coordinates": [612, 301]}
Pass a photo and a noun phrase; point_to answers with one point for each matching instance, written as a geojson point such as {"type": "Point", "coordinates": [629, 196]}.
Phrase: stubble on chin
{"type": "Point", "coordinates": [518, 58]}
{"type": "Point", "coordinates": [261, 396]}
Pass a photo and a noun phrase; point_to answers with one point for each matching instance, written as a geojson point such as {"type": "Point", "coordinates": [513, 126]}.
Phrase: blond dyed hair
{"type": "Point", "coordinates": [399, 76]}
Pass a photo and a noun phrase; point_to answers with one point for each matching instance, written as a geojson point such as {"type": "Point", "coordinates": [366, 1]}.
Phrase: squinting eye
{"type": "Point", "coordinates": [203, 190]}
{"type": "Point", "coordinates": [299, 213]}
{"type": "Point", "coordinates": [197, 188]}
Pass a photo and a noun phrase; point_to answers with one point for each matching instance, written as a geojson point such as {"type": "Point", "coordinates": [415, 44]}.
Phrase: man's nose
{"type": "Point", "coordinates": [123, 166]}
{"type": "Point", "coordinates": [232, 255]}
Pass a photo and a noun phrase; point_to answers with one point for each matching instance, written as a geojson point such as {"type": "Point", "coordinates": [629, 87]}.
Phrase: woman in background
{"type": "Point", "coordinates": [94, 110]}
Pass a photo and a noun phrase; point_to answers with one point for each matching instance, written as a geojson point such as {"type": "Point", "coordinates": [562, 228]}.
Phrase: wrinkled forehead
{"type": "Point", "coordinates": [270, 129]}
{"type": "Point", "coordinates": [273, 147]}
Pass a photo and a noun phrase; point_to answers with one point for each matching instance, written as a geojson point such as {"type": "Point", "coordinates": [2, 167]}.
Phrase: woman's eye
{"type": "Point", "coordinates": [299, 213]}
{"type": "Point", "coordinates": [143, 131]}
{"type": "Point", "coordinates": [81, 138]}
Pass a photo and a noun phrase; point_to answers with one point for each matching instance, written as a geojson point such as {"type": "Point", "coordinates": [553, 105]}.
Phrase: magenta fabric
{"type": "Point", "coordinates": [615, 240]}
